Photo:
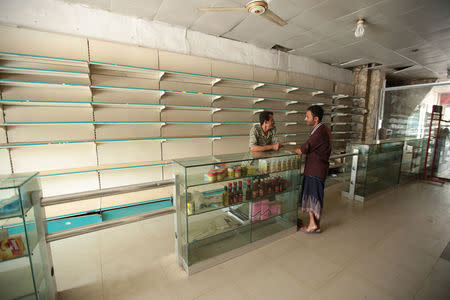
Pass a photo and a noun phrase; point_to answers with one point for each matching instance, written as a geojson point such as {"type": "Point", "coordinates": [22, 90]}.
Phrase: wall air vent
{"type": "Point", "coordinates": [281, 48]}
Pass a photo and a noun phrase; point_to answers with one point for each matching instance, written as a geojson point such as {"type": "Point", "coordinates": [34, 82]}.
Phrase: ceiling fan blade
{"type": "Point", "coordinates": [271, 16]}
{"type": "Point", "coordinates": [221, 8]}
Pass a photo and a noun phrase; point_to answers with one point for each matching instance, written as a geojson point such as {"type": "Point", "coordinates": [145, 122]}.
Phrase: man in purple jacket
{"type": "Point", "coordinates": [317, 150]}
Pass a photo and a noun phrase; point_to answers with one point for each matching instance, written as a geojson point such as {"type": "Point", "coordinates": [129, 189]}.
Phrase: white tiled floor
{"type": "Point", "coordinates": [386, 248]}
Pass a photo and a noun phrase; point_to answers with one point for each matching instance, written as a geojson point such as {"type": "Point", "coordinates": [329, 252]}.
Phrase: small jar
{"type": "Point", "coordinates": [220, 174]}
{"type": "Point", "coordinates": [212, 175]}
{"type": "Point", "coordinates": [283, 167]}
{"type": "Point", "coordinates": [230, 172]}
{"type": "Point", "coordinates": [244, 171]}
{"type": "Point", "coordinates": [274, 166]}
{"type": "Point", "coordinates": [237, 172]}
{"type": "Point", "coordinates": [289, 163]}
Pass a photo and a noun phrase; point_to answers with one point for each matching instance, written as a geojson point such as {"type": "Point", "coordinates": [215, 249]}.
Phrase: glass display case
{"type": "Point", "coordinates": [378, 168]}
{"type": "Point", "coordinates": [413, 159]}
{"type": "Point", "coordinates": [26, 270]}
{"type": "Point", "coordinates": [228, 204]}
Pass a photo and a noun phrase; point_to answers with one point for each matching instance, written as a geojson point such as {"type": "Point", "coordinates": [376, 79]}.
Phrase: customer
{"type": "Point", "coordinates": [317, 150]}
{"type": "Point", "coordinates": [263, 135]}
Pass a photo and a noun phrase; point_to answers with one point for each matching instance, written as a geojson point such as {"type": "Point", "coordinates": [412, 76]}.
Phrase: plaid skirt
{"type": "Point", "coordinates": [312, 195]}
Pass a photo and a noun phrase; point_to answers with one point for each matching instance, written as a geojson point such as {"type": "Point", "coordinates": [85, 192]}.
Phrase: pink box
{"type": "Point", "coordinates": [275, 209]}
{"type": "Point", "coordinates": [265, 211]}
{"type": "Point", "coordinates": [256, 211]}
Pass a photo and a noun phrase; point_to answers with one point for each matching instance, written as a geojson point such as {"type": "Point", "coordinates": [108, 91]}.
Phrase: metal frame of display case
{"type": "Point", "coordinates": [209, 231]}
{"type": "Point", "coordinates": [26, 268]}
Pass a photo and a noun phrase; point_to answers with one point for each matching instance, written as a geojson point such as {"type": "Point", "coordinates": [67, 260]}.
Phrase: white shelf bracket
{"type": "Point", "coordinates": [291, 102]}
{"type": "Point", "coordinates": [216, 110]}
{"type": "Point", "coordinates": [258, 100]}
{"type": "Point", "coordinates": [162, 93]}
{"type": "Point", "coordinates": [290, 123]}
{"type": "Point", "coordinates": [319, 103]}
{"type": "Point", "coordinates": [258, 111]}
{"type": "Point", "coordinates": [214, 98]}
{"type": "Point", "coordinates": [163, 124]}
{"type": "Point", "coordinates": [162, 108]}
{"type": "Point", "coordinates": [216, 124]}
{"type": "Point", "coordinates": [216, 138]}
{"type": "Point", "coordinates": [215, 81]}
{"type": "Point", "coordinates": [317, 93]}
{"type": "Point", "coordinates": [292, 143]}
{"type": "Point", "coordinates": [163, 140]}
{"type": "Point", "coordinates": [340, 96]}
{"type": "Point", "coordinates": [258, 85]}
{"type": "Point", "coordinates": [291, 89]}
{"type": "Point", "coordinates": [161, 75]}
{"type": "Point", "coordinates": [292, 112]}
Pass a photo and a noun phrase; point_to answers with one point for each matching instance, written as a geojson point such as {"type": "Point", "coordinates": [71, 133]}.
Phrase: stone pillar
{"type": "Point", "coordinates": [368, 83]}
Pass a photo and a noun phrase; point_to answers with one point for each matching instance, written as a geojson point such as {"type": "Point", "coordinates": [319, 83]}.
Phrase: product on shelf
{"type": "Point", "coordinates": [256, 211]}
{"type": "Point", "coordinates": [225, 196]}
{"type": "Point", "coordinates": [265, 212]}
{"type": "Point", "coordinates": [211, 176]}
{"type": "Point", "coordinates": [221, 174]}
{"type": "Point", "coordinates": [230, 172]}
{"type": "Point", "coordinates": [11, 248]}
{"type": "Point", "coordinates": [237, 172]}
{"type": "Point", "coordinates": [241, 193]}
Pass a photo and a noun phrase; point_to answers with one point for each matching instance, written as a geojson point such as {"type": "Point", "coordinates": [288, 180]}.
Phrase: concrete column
{"type": "Point", "coordinates": [368, 84]}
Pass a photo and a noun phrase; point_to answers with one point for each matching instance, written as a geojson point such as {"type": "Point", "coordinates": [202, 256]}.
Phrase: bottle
{"type": "Point", "coordinates": [241, 193]}
{"type": "Point", "coordinates": [225, 196]}
{"type": "Point", "coordinates": [248, 191]}
{"type": "Point", "coordinates": [255, 192]}
{"type": "Point", "coordinates": [269, 186]}
{"type": "Point", "coordinates": [235, 193]}
{"type": "Point", "coordinates": [230, 194]}
{"type": "Point", "coordinates": [261, 189]}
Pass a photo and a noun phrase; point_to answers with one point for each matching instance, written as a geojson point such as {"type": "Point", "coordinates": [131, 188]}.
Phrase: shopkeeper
{"type": "Point", "coordinates": [263, 135]}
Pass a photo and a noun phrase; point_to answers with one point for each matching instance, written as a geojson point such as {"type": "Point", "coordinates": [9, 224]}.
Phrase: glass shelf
{"type": "Point", "coordinates": [198, 180]}
{"type": "Point", "coordinates": [43, 84]}
{"type": "Point", "coordinates": [33, 71]}
{"type": "Point", "coordinates": [218, 198]}
{"type": "Point", "coordinates": [45, 102]}
{"type": "Point", "coordinates": [230, 158]}
{"type": "Point", "coordinates": [41, 58]}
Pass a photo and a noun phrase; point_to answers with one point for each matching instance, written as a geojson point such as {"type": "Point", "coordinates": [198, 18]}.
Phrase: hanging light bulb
{"type": "Point", "coordinates": [359, 31]}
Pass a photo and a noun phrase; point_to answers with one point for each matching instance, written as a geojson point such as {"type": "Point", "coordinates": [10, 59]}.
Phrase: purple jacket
{"type": "Point", "coordinates": [318, 150]}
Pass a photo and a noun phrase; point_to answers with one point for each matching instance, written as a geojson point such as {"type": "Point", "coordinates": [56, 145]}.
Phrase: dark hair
{"type": "Point", "coordinates": [264, 116]}
{"type": "Point", "coordinates": [316, 111]}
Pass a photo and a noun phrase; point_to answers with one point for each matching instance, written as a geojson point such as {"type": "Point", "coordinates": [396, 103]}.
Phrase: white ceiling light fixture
{"type": "Point", "coordinates": [359, 30]}
{"type": "Point", "coordinates": [260, 8]}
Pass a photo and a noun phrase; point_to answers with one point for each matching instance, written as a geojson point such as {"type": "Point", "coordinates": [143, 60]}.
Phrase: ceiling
{"type": "Point", "coordinates": [409, 38]}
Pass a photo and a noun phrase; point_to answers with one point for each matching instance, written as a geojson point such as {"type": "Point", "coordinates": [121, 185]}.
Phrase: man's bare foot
{"type": "Point", "coordinates": [309, 229]}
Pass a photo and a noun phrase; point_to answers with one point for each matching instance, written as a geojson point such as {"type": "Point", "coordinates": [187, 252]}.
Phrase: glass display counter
{"type": "Point", "coordinates": [228, 204]}
{"type": "Point", "coordinates": [26, 270]}
{"type": "Point", "coordinates": [382, 164]}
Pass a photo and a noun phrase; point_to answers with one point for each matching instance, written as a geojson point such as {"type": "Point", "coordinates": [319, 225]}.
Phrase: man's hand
{"type": "Point", "coordinates": [276, 146]}
{"type": "Point", "coordinates": [297, 150]}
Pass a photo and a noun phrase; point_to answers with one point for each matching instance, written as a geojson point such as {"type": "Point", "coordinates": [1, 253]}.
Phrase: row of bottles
{"type": "Point", "coordinates": [236, 193]}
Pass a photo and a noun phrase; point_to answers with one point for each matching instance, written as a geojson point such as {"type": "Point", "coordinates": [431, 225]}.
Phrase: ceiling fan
{"type": "Point", "coordinates": [254, 7]}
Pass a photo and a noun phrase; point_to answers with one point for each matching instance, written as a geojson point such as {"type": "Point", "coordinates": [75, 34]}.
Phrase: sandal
{"type": "Point", "coordinates": [306, 230]}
